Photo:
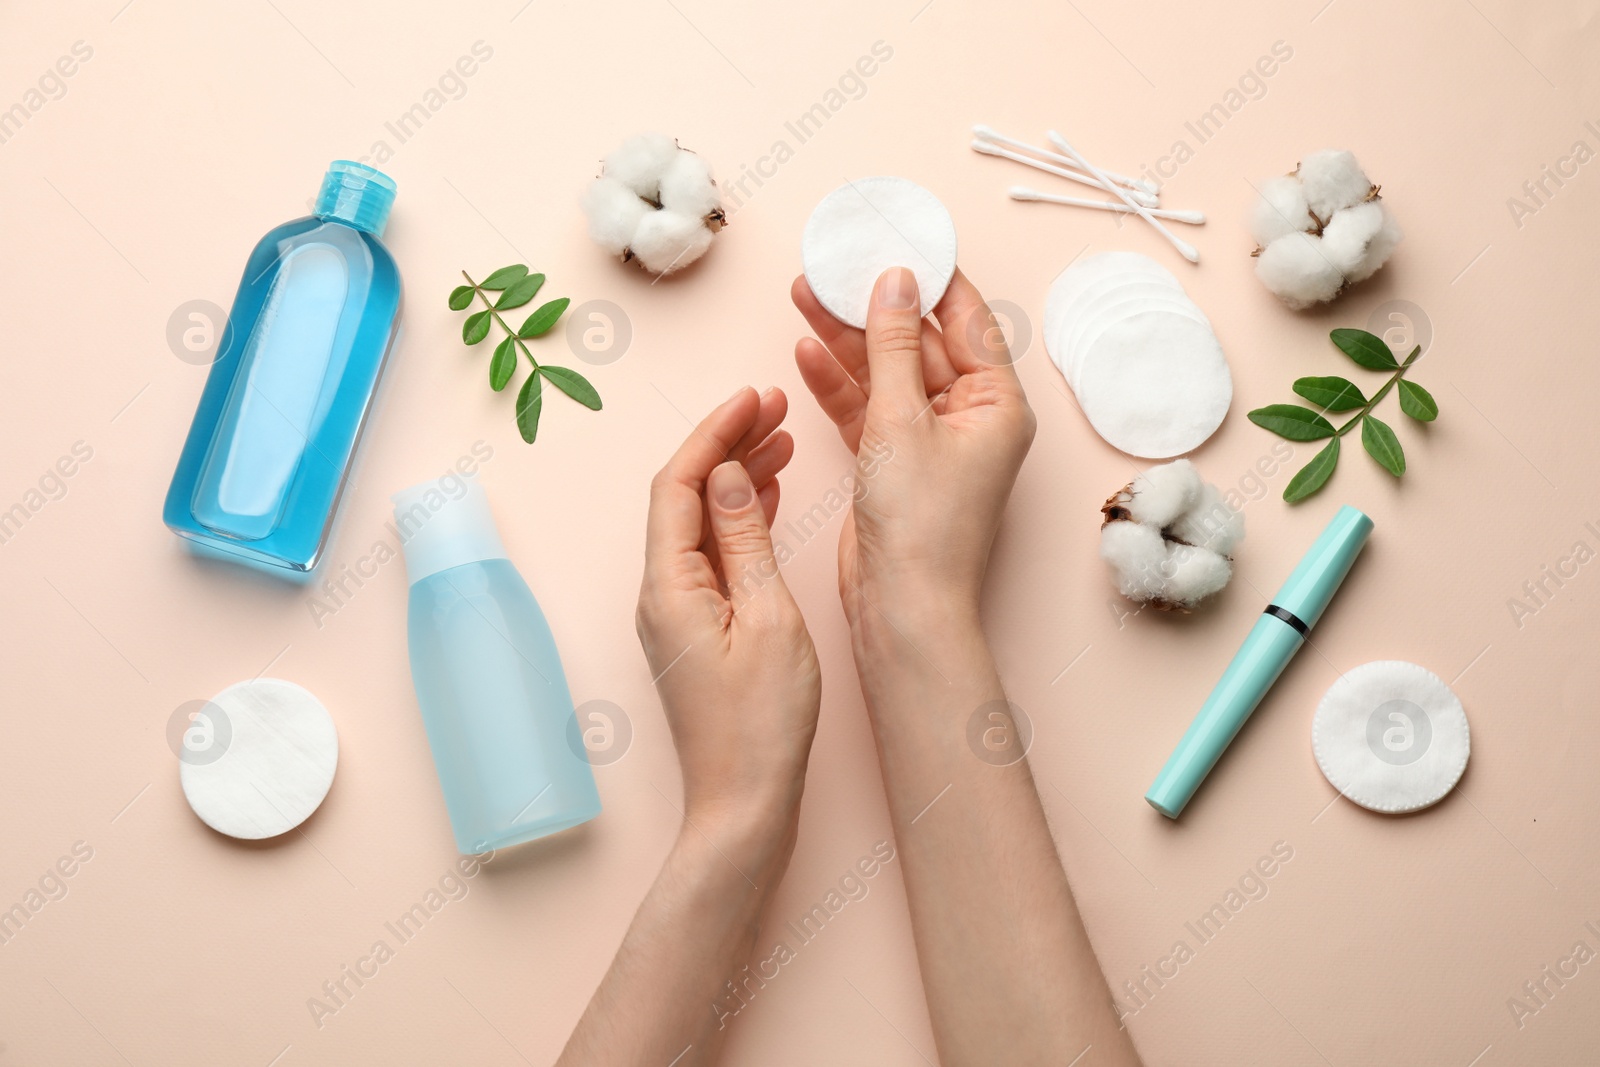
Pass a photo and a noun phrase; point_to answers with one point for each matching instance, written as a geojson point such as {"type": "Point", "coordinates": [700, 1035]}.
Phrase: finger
{"type": "Point", "coordinates": [762, 465]}
{"type": "Point", "coordinates": [841, 399]}
{"type": "Point", "coordinates": [972, 338]}
{"type": "Point", "coordinates": [894, 343]}
{"type": "Point", "coordinates": [673, 527]}
{"type": "Point", "coordinates": [848, 344]}
{"type": "Point", "coordinates": [774, 406]}
{"type": "Point", "coordinates": [768, 458]}
{"type": "Point", "coordinates": [938, 373]}
{"type": "Point", "coordinates": [768, 495]}
{"type": "Point", "coordinates": [744, 540]}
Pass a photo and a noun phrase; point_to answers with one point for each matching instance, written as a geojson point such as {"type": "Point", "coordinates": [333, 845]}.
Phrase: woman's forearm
{"type": "Point", "coordinates": [1008, 970]}
{"type": "Point", "coordinates": [668, 996]}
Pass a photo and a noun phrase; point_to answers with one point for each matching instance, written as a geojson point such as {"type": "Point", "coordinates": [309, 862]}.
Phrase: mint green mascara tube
{"type": "Point", "coordinates": [1272, 643]}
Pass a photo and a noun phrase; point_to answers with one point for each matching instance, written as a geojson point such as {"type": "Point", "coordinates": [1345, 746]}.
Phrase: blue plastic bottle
{"type": "Point", "coordinates": [494, 699]}
{"type": "Point", "coordinates": [275, 433]}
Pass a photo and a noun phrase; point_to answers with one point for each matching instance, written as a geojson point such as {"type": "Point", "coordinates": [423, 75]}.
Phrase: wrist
{"type": "Point", "coordinates": [755, 841]}
{"type": "Point", "coordinates": [900, 620]}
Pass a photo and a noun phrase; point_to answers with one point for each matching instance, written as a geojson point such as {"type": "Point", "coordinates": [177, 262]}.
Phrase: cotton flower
{"type": "Point", "coordinates": [1320, 230]}
{"type": "Point", "coordinates": [1169, 537]}
{"type": "Point", "coordinates": [654, 202]}
{"type": "Point", "coordinates": [1280, 209]}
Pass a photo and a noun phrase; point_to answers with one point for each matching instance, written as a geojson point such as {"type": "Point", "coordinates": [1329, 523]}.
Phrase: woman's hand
{"type": "Point", "coordinates": [731, 656]}
{"type": "Point", "coordinates": [739, 683]}
{"type": "Point", "coordinates": [939, 424]}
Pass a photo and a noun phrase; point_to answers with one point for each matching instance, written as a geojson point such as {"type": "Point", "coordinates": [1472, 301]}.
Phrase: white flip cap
{"type": "Point", "coordinates": [445, 523]}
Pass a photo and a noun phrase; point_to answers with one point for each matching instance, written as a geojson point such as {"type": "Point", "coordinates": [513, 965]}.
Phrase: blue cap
{"type": "Point", "coordinates": [357, 194]}
{"type": "Point", "coordinates": [1312, 584]}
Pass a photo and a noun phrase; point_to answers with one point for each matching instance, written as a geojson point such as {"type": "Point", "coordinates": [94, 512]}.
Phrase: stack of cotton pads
{"type": "Point", "coordinates": [1141, 358]}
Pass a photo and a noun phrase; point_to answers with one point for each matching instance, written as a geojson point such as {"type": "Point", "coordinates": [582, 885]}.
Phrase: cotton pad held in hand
{"type": "Point", "coordinates": [258, 758]}
{"type": "Point", "coordinates": [866, 226]}
{"type": "Point", "coordinates": [1391, 736]}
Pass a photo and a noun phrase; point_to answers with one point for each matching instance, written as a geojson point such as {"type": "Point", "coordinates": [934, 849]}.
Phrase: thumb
{"type": "Point", "coordinates": [894, 341]}
{"type": "Point", "coordinates": [744, 543]}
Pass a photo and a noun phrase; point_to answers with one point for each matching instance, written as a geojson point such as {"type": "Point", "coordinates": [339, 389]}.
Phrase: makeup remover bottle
{"type": "Point", "coordinates": [275, 433]}
{"type": "Point", "coordinates": [494, 699]}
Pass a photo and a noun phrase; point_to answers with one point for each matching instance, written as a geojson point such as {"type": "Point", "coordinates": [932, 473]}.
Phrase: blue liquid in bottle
{"type": "Point", "coordinates": [494, 698]}
{"type": "Point", "coordinates": [275, 434]}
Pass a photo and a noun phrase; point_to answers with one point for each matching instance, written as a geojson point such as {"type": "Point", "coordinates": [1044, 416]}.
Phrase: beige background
{"type": "Point", "coordinates": [194, 128]}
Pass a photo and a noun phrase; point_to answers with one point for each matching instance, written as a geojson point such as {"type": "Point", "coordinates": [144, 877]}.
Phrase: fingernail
{"type": "Point", "coordinates": [736, 394]}
{"type": "Point", "coordinates": [730, 487]}
{"type": "Point", "coordinates": [897, 289]}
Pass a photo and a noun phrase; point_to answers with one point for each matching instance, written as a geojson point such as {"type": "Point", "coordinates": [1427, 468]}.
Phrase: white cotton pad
{"type": "Point", "coordinates": [269, 759]}
{"type": "Point", "coordinates": [1092, 277]}
{"type": "Point", "coordinates": [1391, 736]}
{"type": "Point", "coordinates": [1128, 301]}
{"type": "Point", "coordinates": [866, 226]}
{"type": "Point", "coordinates": [1155, 384]}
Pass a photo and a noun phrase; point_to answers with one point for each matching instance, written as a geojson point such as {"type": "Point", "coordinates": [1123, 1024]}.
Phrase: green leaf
{"type": "Point", "coordinates": [1292, 421]}
{"type": "Point", "coordinates": [529, 402]}
{"type": "Point", "coordinates": [505, 277]}
{"type": "Point", "coordinates": [1383, 446]}
{"type": "Point", "coordinates": [1331, 394]}
{"type": "Point", "coordinates": [476, 328]}
{"type": "Point", "coordinates": [1313, 475]}
{"type": "Point", "coordinates": [542, 320]}
{"type": "Point", "coordinates": [503, 364]}
{"type": "Point", "coordinates": [460, 297]}
{"type": "Point", "coordinates": [1365, 348]}
{"type": "Point", "coordinates": [573, 384]}
{"type": "Point", "coordinates": [520, 293]}
{"type": "Point", "coordinates": [1417, 401]}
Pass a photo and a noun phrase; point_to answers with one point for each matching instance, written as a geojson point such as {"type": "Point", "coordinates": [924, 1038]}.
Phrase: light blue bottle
{"type": "Point", "coordinates": [488, 678]}
{"type": "Point", "coordinates": [275, 433]}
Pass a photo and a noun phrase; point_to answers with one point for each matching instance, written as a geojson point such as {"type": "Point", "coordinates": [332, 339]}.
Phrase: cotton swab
{"type": "Point", "coordinates": [1137, 183]}
{"type": "Point", "coordinates": [1185, 249]}
{"type": "Point", "coordinates": [1021, 192]}
{"type": "Point", "coordinates": [989, 133]}
{"type": "Point", "coordinates": [1101, 184]}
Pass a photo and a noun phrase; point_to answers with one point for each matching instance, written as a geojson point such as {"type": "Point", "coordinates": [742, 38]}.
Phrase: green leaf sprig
{"type": "Point", "coordinates": [1337, 394]}
{"type": "Point", "coordinates": [516, 287]}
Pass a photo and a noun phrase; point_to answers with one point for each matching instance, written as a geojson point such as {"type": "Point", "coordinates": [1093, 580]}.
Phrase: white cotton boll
{"type": "Point", "coordinates": [1210, 523]}
{"type": "Point", "coordinates": [1379, 248]}
{"type": "Point", "coordinates": [615, 212]}
{"type": "Point", "coordinates": [1138, 555]}
{"type": "Point", "coordinates": [1332, 179]}
{"type": "Point", "coordinates": [640, 162]}
{"type": "Point", "coordinates": [686, 186]}
{"type": "Point", "coordinates": [1194, 574]}
{"type": "Point", "coordinates": [1347, 234]}
{"type": "Point", "coordinates": [1168, 536]}
{"type": "Point", "coordinates": [667, 241]}
{"type": "Point", "coordinates": [1352, 232]}
{"type": "Point", "coordinates": [1163, 493]}
{"type": "Point", "coordinates": [1280, 209]}
{"type": "Point", "coordinates": [1298, 271]}
{"type": "Point", "coordinates": [655, 204]}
